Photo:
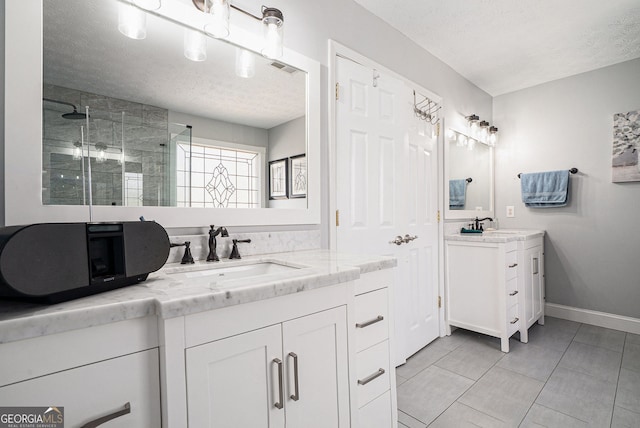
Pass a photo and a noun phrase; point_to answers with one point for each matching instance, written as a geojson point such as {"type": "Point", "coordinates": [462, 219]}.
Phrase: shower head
{"type": "Point", "coordinates": [72, 116]}
{"type": "Point", "coordinates": [75, 115]}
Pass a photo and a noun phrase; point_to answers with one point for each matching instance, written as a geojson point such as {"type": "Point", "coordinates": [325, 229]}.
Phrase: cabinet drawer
{"type": "Point", "coordinates": [512, 292]}
{"type": "Point", "coordinates": [376, 414]}
{"type": "Point", "coordinates": [511, 265]}
{"type": "Point", "coordinates": [372, 318]}
{"type": "Point", "coordinates": [97, 390]}
{"type": "Point", "coordinates": [373, 372]}
{"type": "Point", "coordinates": [374, 280]}
{"type": "Point", "coordinates": [513, 320]}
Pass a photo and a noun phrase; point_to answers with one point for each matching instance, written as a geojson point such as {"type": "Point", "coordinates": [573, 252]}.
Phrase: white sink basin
{"type": "Point", "coordinates": [505, 232]}
{"type": "Point", "coordinates": [233, 272]}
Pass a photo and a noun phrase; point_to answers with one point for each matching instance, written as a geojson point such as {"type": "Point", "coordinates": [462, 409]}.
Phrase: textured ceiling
{"type": "Point", "coordinates": [84, 50]}
{"type": "Point", "coordinates": [506, 45]}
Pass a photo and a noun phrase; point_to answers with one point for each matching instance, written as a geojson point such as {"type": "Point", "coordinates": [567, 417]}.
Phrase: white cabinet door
{"type": "Point", "coordinates": [97, 390]}
{"type": "Point", "coordinates": [235, 382]}
{"type": "Point", "coordinates": [318, 344]}
{"type": "Point", "coordinates": [533, 281]}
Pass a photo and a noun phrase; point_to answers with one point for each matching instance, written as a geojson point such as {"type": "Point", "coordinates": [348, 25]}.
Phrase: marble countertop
{"type": "Point", "coordinates": [168, 295]}
{"type": "Point", "coordinates": [497, 236]}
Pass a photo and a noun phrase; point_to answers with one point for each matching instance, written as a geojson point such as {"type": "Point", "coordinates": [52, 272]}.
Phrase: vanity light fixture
{"type": "Point", "coordinates": [484, 130]}
{"type": "Point", "coordinates": [473, 122]}
{"type": "Point", "coordinates": [101, 156]}
{"type": "Point", "coordinates": [195, 45]}
{"type": "Point", "coordinates": [245, 63]}
{"type": "Point", "coordinates": [219, 11]}
{"type": "Point", "coordinates": [77, 150]}
{"type": "Point", "coordinates": [272, 21]}
{"type": "Point", "coordinates": [493, 136]}
{"type": "Point", "coordinates": [132, 21]}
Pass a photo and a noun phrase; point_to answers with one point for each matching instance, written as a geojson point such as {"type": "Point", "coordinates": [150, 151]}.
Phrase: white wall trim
{"type": "Point", "coordinates": [600, 319]}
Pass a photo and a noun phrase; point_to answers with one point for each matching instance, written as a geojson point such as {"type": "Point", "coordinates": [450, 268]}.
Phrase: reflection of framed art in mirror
{"type": "Point", "coordinates": [278, 188]}
{"type": "Point", "coordinates": [298, 176]}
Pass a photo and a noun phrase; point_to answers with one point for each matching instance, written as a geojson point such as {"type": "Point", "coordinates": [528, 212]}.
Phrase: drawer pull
{"type": "Point", "coordinates": [513, 265]}
{"type": "Point", "coordinates": [97, 422]}
{"type": "Point", "coordinates": [515, 320]}
{"type": "Point", "coordinates": [279, 404]}
{"type": "Point", "coordinates": [513, 293]}
{"type": "Point", "coordinates": [368, 323]}
{"type": "Point", "coordinates": [296, 395]}
{"type": "Point", "coordinates": [369, 378]}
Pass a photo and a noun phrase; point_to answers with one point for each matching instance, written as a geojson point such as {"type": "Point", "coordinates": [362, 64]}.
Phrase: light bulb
{"type": "Point", "coordinates": [245, 63]}
{"type": "Point", "coordinates": [218, 27]}
{"type": "Point", "coordinates": [132, 22]}
{"type": "Point", "coordinates": [462, 141]}
{"type": "Point", "coordinates": [451, 134]}
{"type": "Point", "coordinates": [77, 151]}
{"type": "Point", "coordinates": [471, 144]}
{"type": "Point", "coordinates": [272, 20]}
{"type": "Point", "coordinates": [195, 45]}
{"type": "Point", "coordinates": [101, 156]}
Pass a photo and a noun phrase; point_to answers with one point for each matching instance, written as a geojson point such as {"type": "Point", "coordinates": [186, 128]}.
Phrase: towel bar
{"type": "Point", "coordinates": [572, 171]}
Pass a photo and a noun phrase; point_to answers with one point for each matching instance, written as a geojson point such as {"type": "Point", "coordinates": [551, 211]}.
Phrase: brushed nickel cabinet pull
{"type": "Point", "coordinates": [368, 323]}
{"type": "Point", "coordinates": [513, 265]}
{"type": "Point", "coordinates": [513, 293]}
{"type": "Point", "coordinates": [280, 403]}
{"type": "Point", "coordinates": [296, 395]}
{"type": "Point", "coordinates": [371, 377]}
{"type": "Point", "coordinates": [515, 320]}
{"type": "Point", "coordinates": [97, 422]}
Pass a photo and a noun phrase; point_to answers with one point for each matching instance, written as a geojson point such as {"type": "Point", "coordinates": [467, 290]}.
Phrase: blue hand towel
{"type": "Point", "coordinates": [545, 189]}
{"type": "Point", "coordinates": [457, 193]}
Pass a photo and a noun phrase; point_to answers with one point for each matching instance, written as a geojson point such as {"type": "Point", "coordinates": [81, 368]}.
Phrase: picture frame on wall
{"type": "Point", "coordinates": [298, 176]}
{"type": "Point", "coordinates": [278, 179]}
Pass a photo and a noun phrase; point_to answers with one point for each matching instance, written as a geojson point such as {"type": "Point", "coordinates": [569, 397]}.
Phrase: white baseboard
{"type": "Point", "coordinates": [601, 319]}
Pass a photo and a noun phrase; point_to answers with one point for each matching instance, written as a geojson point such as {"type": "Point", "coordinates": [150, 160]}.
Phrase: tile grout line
{"type": "Point", "coordinates": [615, 395]}
{"type": "Point", "coordinates": [551, 374]}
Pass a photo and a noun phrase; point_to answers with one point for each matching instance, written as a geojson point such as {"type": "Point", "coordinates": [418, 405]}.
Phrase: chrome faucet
{"type": "Point", "coordinates": [213, 232]}
{"type": "Point", "coordinates": [479, 222]}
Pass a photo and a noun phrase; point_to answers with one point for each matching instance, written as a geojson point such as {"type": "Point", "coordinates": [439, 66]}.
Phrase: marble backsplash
{"type": "Point", "coordinates": [261, 243]}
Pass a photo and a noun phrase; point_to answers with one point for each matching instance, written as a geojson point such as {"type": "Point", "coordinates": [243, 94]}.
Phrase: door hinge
{"type": "Point", "coordinates": [337, 218]}
{"type": "Point", "coordinates": [337, 91]}
{"type": "Point", "coordinates": [439, 302]}
{"type": "Point", "coordinates": [438, 129]}
{"type": "Point", "coordinates": [438, 216]}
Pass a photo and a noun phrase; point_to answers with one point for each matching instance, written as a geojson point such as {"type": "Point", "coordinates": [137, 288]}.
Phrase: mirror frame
{"type": "Point", "coordinates": [450, 214]}
{"type": "Point", "coordinates": [23, 134]}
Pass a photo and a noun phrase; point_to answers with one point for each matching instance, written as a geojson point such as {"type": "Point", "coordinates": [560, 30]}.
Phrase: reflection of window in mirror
{"type": "Point", "coordinates": [219, 177]}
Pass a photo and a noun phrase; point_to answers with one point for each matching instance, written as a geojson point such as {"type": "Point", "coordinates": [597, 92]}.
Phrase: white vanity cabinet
{"type": "Point", "coordinates": [274, 363]}
{"type": "Point", "coordinates": [374, 384]}
{"type": "Point", "coordinates": [495, 285]}
{"type": "Point", "coordinates": [90, 373]}
{"type": "Point", "coordinates": [482, 288]}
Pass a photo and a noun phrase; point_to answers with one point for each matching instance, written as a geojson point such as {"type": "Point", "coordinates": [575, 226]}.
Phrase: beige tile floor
{"type": "Point", "coordinates": [568, 375]}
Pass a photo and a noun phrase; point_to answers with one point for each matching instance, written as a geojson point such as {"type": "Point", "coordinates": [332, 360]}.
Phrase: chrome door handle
{"type": "Point", "coordinates": [408, 238]}
{"type": "Point", "coordinates": [97, 422]}
{"type": "Point", "coordinates": [279, 404]}
{"type": "Point", "coordinates": [398, 241]}
{"type": "Point", "coordinates": [371, 377]}
{"type": "Point", "coordinates": [296, 395]}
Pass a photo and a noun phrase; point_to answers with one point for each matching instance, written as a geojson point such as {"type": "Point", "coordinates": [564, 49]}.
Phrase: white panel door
{"type": "Point", "coordinates": [234, 382]}
{"type": "Point", "coordinates": [315, 350]}
{"type": "Point", "coordinates": [386, 187]}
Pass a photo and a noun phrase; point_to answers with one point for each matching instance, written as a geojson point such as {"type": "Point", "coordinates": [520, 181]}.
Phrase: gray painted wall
{"type": "Point", "coordinates": [286, 140]}
{"type": "Point", "coordinates": [592, 246]}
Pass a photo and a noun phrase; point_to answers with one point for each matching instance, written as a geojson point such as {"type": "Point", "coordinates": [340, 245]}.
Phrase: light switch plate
{"type": "Point", "coordinates": [511, 211]}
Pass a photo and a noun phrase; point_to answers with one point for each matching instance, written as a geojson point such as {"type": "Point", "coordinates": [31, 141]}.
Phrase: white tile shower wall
{"type": "Point", "coordinates": [261, 243]}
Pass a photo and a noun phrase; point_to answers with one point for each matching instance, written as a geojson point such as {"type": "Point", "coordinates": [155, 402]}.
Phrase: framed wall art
{"type": "Point", "coordinates": [278, 179]}
{"type": "Point", "coordinates": [298, 176]}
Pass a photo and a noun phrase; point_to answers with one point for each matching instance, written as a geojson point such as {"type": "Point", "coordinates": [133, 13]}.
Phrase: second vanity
{"type": "Point", "coordinates": [298, 339]}
{"type": "Point", "coordinates": [494, 282]}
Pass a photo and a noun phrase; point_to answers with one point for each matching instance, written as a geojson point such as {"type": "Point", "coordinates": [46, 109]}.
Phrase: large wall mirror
{"type": "Point", "coordinates": [180, 127]}
{"type": "Point", "coordinates": [469, 177]}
